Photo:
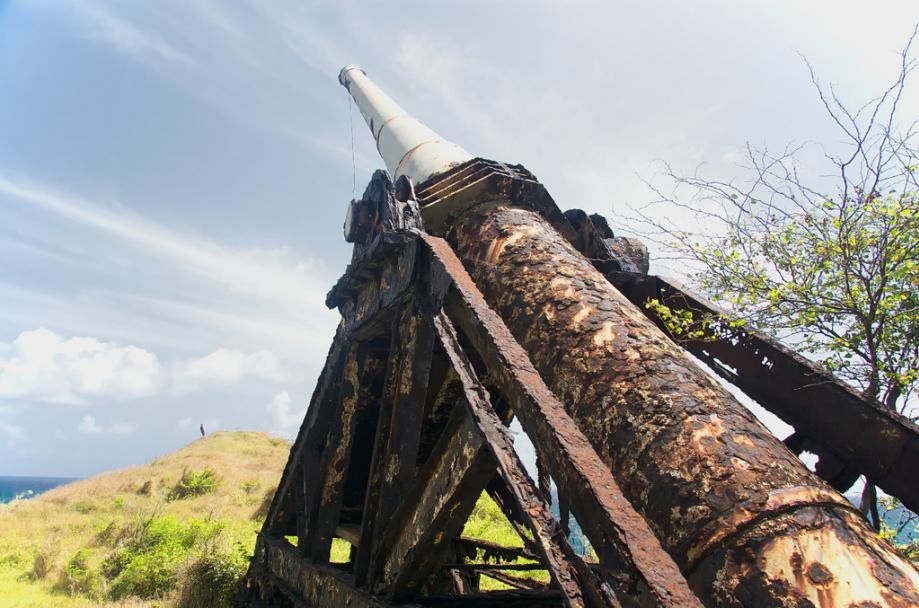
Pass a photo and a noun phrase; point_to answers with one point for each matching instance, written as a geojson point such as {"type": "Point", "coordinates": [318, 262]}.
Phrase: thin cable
{"type": "Point", "coordinates": [353, 164]}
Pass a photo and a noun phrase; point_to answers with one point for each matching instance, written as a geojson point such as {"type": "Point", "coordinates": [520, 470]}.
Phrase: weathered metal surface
{"type": "Point", "coordinates": [399, 425]}
{"type": "Point", "coordinates": [283, 512]}
{"type": "Point", "coordinates": [685, 452]}
{"type": "Point", "coordinates": [480, 179]}
{"type": "Point", "coordinates": [608, 519]}
{"type": "Point", "coordinates": [381, 276]}
{"type": "Point", "coordinates": [434, 512]}
{"type": "Point", "coordinates": [379, 211]}
{"type": "Point", "coordinates": [596, 241]}
{"type": "Point", "coordinates": [318, 585]}
{"type": "Point", "coordinates": [495, 599]}
{"type": "Point", "coordinates": [360, 388]}
{"type": "Point", "coordinates": [576, 582]}
{"type": "Point", "coordinates": [866, 437]}
{"type": "Point", "coordinates": [470, 547]}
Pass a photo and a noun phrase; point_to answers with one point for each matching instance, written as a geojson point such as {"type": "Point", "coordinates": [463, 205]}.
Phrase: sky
{"type": "Point", "coordinates": [174, 174]}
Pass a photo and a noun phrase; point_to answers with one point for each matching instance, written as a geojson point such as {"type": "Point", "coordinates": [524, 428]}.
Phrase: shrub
{"type": "Point", "coordinates": [44, 558]}
{"type": "Point", "coordinates": [212, 579]}
{"type": "Point", "coordinates": [13, 559]}
{"type": "Point", "coordinates": [146, 489]}
{"type": "Point", "coordinates": [154, 549]}
{"type": "Point", "coordinates": [106, 533]}
{"type": "Point", "coordinates": [194, 483]}
{"type": "Point", "coordinates": [148, 575]}
{"type": "Point", "coordinates": [80, 578]}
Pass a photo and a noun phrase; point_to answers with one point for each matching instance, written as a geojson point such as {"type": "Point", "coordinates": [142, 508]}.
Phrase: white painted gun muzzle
{"type": "Point", "coordinates": [407, 147]}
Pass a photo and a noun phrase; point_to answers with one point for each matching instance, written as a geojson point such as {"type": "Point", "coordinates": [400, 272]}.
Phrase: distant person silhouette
{"type": "Point", "coordinates": [202, 430]}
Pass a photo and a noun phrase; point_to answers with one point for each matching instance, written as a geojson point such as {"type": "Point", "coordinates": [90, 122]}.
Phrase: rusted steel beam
{"type": "Point", "coordinates": [522, 567]}
{"type": "Point", "coordinates": [495, 599]}
{"type": "Point", "coordinates": [608, 519]}
{"type": "Point", "coordinates": [282, 516]}
{"type": "Point", "coordinates": [399, 425]}
{"type": "Point", "coordinates": [690, 458]}
{"type": "Point", "coordinates": [468, 548]}
{"type": "Point", "coordinates": [434, 512]}
{"type": "Point", "coordinates": [317, 585]}
{"type": "Point", "coordinates": [518, 582]}
{"type": "Point", "coordinates": [866, 437]}
{"type": "Point", "coordinates": [499, 491]}
{"type": "Point", "coordinates": [363, 369]}
{"type": "Point", "coordinates": [574, 579]}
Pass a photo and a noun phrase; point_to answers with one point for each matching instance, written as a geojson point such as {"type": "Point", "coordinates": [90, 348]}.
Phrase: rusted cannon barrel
{"type": "Point", "coordinates": [744, 519]}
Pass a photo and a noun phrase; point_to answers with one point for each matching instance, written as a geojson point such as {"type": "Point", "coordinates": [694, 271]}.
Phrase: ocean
{"type": "Point", "coordinates": [11, 487]}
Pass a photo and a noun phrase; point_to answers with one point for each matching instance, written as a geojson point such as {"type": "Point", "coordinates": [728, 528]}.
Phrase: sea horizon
{"type": "Point", "coordinates": [26, 486]}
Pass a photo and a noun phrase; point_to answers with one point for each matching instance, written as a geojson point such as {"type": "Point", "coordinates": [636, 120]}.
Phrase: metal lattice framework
{"type": "Point", "coordinates": [408, 425]}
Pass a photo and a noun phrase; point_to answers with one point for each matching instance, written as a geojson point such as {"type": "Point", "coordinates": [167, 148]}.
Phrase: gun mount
{"type": "Point", "coordinates": [472, 300]}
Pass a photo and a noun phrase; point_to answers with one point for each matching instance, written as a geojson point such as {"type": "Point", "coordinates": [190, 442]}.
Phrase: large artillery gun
{"type": "Point", "coordinates": [472, 300]}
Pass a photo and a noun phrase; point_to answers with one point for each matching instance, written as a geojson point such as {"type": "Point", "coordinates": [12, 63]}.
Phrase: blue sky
{"type": "Point", "coordinates": [173, 174]}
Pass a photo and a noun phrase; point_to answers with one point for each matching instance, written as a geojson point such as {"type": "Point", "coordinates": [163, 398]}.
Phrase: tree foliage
{"type": "Point", "coordinates": [833, 268]}
{"type": "Point", "coordinates": [828, 261]}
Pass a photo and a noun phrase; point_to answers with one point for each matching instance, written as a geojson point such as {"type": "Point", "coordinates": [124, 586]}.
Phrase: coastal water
{"type": "Point", "coordinates": [11, 487]}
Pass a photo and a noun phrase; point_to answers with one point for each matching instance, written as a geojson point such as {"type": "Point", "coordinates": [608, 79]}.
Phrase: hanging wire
{"type": "Point", "coordinates": [353, 164]}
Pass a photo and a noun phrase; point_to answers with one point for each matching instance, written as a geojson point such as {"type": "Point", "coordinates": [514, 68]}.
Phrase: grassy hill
{"type": "Point", "coordinates": [178, 531]}
{"type": "Point", "coordinates": [143, 536]}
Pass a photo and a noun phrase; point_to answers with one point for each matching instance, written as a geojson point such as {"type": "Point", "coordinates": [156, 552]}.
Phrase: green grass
{"type": "Point", "coordinates": [169, 533]}
{"type": "Point", "coordinates": [487, 522]}
{"type": "Point", "coordinates": [178, 531]}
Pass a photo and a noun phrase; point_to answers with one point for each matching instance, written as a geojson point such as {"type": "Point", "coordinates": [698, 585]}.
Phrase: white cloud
{"type": "Point", "coordinates": [229, 366]}
{"type": "Point", "coordinates": [124, 36]}
{"type": "Point", "coordinates": [12, 432]}
{"type": "Point", "coordinates": [184, 424]}
{"type": "Point", "coordinates": [89, 426]}
{"type": "Point", "coordinates": [284, 418]}
{"type": "Point", "coordinates": [39, 364]}
{"type": "Point", "coordinates": [42, 365]}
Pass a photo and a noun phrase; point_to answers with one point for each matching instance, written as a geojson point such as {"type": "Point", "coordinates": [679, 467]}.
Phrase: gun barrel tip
{"type": "Point", "coordinates": [342, 74]}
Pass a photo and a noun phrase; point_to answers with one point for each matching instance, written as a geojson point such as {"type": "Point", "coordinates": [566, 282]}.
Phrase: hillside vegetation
{"type": "Point", "coordinates": [154, 535]}
{"type": "Point", "coordinates": [178, 531]}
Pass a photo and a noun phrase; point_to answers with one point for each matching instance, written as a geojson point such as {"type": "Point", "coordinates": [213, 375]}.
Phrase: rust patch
{"type": "Point", "coordinates": [819, 574]}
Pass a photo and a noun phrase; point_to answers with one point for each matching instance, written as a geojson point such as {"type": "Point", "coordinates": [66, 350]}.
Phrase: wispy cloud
{"type": "Point", "coordinates": [104, 26]}
{"type": "Point", "coordinates": [269, 274]}
{"type": "Point", "coordinates": [89, 426]}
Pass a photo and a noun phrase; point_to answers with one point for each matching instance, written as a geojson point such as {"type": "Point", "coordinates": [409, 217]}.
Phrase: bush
{"type": "Point", "coordinates": [105, 533]}
{"type": "Point", "coordinates": [194, 483]}
{"type": "Point", "coordinates": [148, 575]}
{"type": "Point", "coordinates": [212, 579]}
{"type": "Point", "coordinates": [44, 558]}
{"type": "Point", "coordinates": [250, 486]}
{"type": "Point", "coordinates": [154, 549]}
{"type": "Point", "coordinates": [13, 559]}
{"type": "Point", "coordinates": [80, 578]}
